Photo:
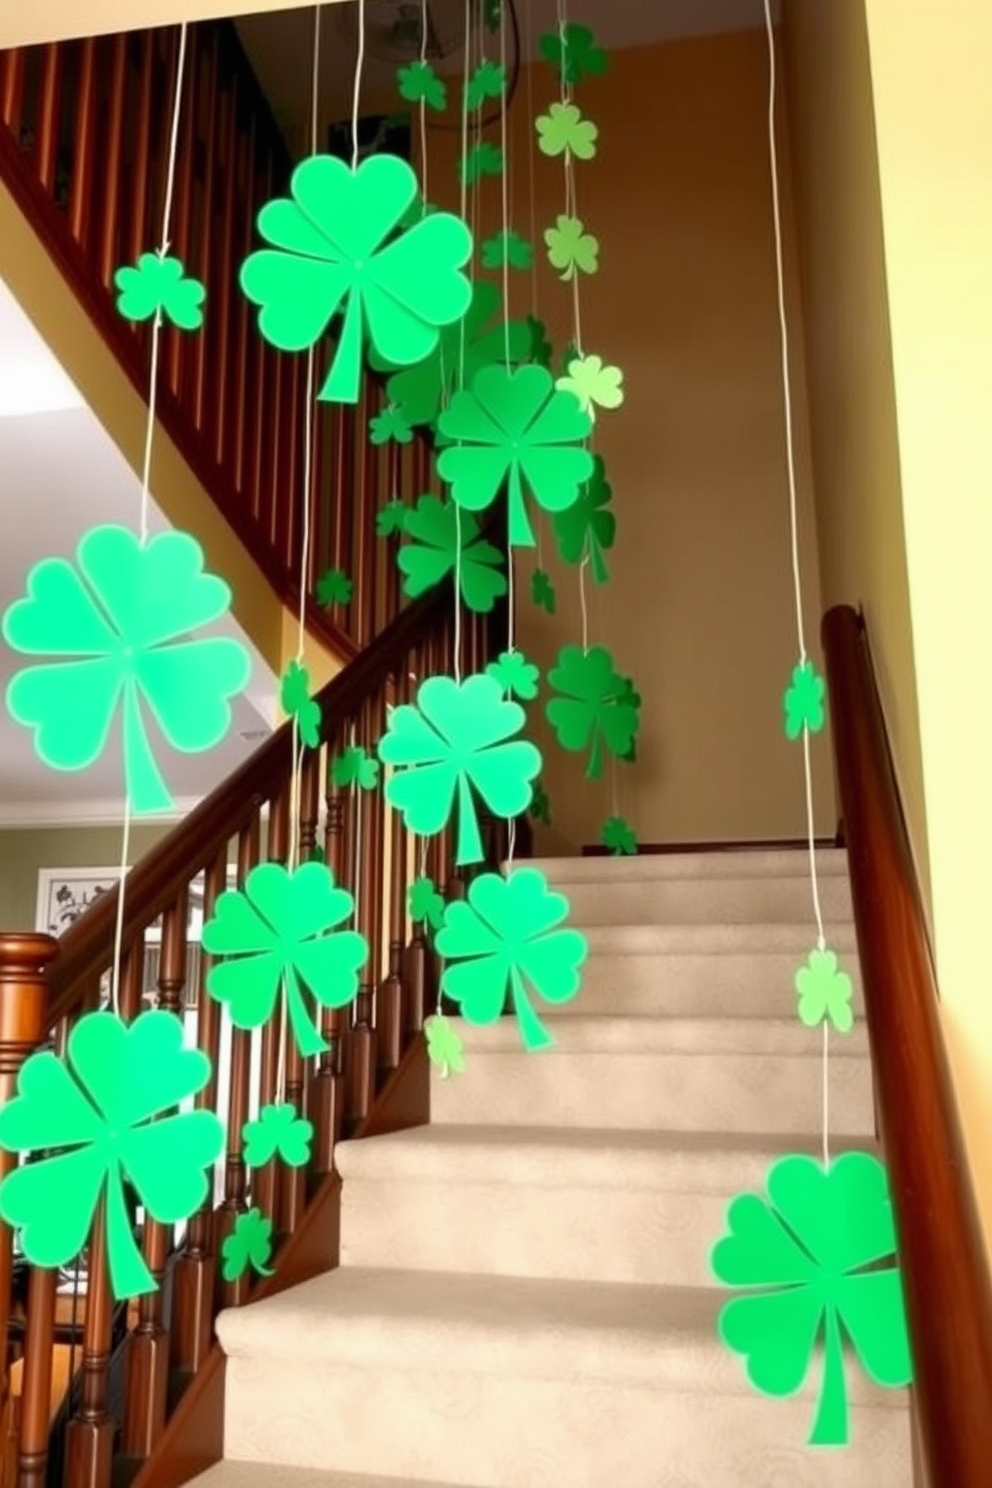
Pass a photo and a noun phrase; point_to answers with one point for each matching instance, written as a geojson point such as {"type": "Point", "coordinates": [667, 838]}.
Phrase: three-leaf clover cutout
{"type": "Point", "coordinates": [505, 939]}
{"type": "Point", "coordinates": [459, 738]}
{"type": "Point", "coordinates": [248, 1244]}
{"type": "Point", "coordinates": [159, 285]}
{"type": "Point", "coordinates": [595, 708]}
{"type": "Point", "coordinates": [542, 590]}
{"type": "Point", "coordinates": [278, 1132]}
{"type": "Point", "coordinates": [805, 701]}
{"type": "Point", "coordinates": [99, 1108]}
{"type": "Point", "coordinates": [571, 250]}
{"type": "Point", "coordinates": [390, 424]}
{"type": "Point", "coordinates": [118, 632]}
{"type": "Point", "coordinates": [619, 836]}
{"type": "Point", "coordinates": [588, 528]}
{"type": "Point", "coordinates": [334, 588]}
{"type": "Point", "coordinates": [354, 766]}
{"type": "Point", "coordinates": [487, 81]}
{"type": "Point", "coordinates": [573, 50]}
{"type": "Point", "coordinates": [517, 676]}
{"type": "Point", "coordinates": [807, 1261]}
{"type": "Point", "coordinates": [824, 991]}
{"type": "Point", "coordinates": [430, 553]}
{"type": "Point", "coordinates": [294, 696]}
{"type": "Point", "coordinates": [595, 384]}
{"type": "Point", "coordinates": [278, 934]}
{"type": "Point", "coordinates": [391, 518]}
{"type": "Point", "coordinates": [483, 159]}
{"type": "Point", "coordinates": [507, 250]}
{"type": "Point", "coordinates": [419, 83]}
{"type": "Point", "coordinates": [424, 903]}
{"type": "Point", "coordinates": [444, 1046]}
{"type": "Point", "coordinates": [336, 248]}
{"type": "Point", "coordinates": [515, 428]}
{"type": "Point", "coordinates": [564, 129]}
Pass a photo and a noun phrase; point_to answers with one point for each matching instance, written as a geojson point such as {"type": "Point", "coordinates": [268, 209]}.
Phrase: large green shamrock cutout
{"type": "Point", "coordinates": [595, 384]}
{"type": "Point", "coordinates": [573, 50]}
{"type": "Point", "coordinates": [563, 128]}
{"type": "Point", "coordinates": [808, 1259]}
{"type": "Point", "coordinates": [589, 528]}
{"type": "Point", "coordinates": [294, 696]}
{"type": "Point", "coordinates": [595, 709]}
{"type": "Point", "coordinates": [512, 427]}
{"type": "Point", "coordinates": [248, 1244]}
{"type": "Point", "coordinates": [122, 619]}
{"type": "Point", "coordinates": [457, 738]}
{"type": "Point", "coordinates": [431, 552]}
{"type": "Point", "coordinates": [571, 250]}
{"type": "Point", "coordinates": [160, 286]}
{"type": "Point", "coordinates": [276, 933]}
{"type": "Point", "coordinates": [804, 702]}
{"type": "Point", "coordinates": [504, 938]}
{"type": "Point", "coordinates": [824, 991]}
{"type": "Point", "coordinates": [419, 83]}
{"type": "Point", "coordinates": [333, 247]}
{"type": "Point", "coordinates": [98, 1107]}
{"type": "Point", "coordinates": [278, 1132]}
{"type": "Point", "coordinates": [444, 1046]}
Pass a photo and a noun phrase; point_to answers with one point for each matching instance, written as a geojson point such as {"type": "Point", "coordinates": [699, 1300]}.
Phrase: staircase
{"type": "Point", "coordinates": [524, 1298]}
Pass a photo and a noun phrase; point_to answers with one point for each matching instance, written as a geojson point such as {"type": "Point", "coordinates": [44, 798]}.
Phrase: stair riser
{"type": "Point", "coordinates": [728, 901]}
{"type": "Point", "coordinates": [694, 986]}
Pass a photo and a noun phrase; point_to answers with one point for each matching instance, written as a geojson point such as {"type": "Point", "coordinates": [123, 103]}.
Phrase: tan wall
{"type": "Point", "coordinates": [50, 20]}
{"type": "Point", "coordinates": [22, 853]}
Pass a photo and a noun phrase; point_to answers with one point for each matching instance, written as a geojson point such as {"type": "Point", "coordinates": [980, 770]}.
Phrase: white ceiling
{"type": "Point", "coordinates": [60, 473]}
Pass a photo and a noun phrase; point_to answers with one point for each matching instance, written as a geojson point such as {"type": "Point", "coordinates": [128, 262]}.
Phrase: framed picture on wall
{"type": "Point", "coordinates": [66, 893]}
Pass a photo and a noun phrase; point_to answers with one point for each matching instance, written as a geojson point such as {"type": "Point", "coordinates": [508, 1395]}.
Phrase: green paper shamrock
{"type": "Point", "coordinates": [316, 854]}
{"type": "Point", "coordinates": [804, 701]}
{"type": "Point", "coordinates": [121, 628]}
{"type": "Point", "coordinates": [807, 1260]}
{"type": "Point", "coordinates": [563, 129]}
{"type": "Point", "coordinates": [419, 83]}
{"type": "Point", "coordinates": [588, 527]}
{"type": "Point", "coordinates": [430, 553]}
{"type": "Point", "coordinates": [507, 249]}
{"type": "Point", "coordinates": [569, 355]}
{"type": "Point", "coordinates": [481, 160]}
{"type": "Point", "coordinates": [542, 591]}
{"type": "Point", "coordinates": [540, 347]}
{"type": "Point", "coordinates": [97, 1107]}
{"type": "Point", "coordinates": [629, 696]}
{"type": "Point", "coordinates": [458, 737]}
{"type": "Point", "coordinates": [275, 932]}
{"type": "Point", "coordinates": [248, 1244]}
{"type": "Point", "coordinates": [418, 208]}
{"type": "Point", "coordinates": [594, 384]}
{"type": "Point", "coordinates": [618, 835]}
{"type": "Point", "coordinates": [278, 1132]}
{"type": "Point", "coordinates": [294, 696]}
{"type": "Point", "coordinates": [354, 766]}
{"type": "Point", "coordinates": [391, 519]}
{"type": "Point", "coordinates": [334, 588]}
{"type": "Point", "coordinates": [390, 424]}
{"type": "Point", "coordinates": [160, 286]}
{"type": "Point", "coordinates": [510, 428]}
{"type": "Point", "coordinates": [444, 1046]}
{"type": "Point", "coordinates": [424, 903]}
{"type": "Point", "coordinates": [501, 940]}
{"type": "Point", "coordinates": [592, 712]}
{"type": "Point", "coordinates": [824, 991]}
{"type": "Point", "coordinates": [515, 675]}
{"type": "Point", "coordinates": [333, 249]}
{"type": "Point", "coordinates": [492, 14]}
{"type": "Point", "coordinates": [487, 81]}
{"type": "Point", "coordinates": [540, 807]}
{"type": "Point", "coordinates": [574, 52]}
{"type": "Point", "coordinates": [571, 249]}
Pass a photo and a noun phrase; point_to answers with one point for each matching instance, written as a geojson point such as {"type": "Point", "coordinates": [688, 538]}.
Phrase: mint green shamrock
{"type": "Point", "coordinates": [160, 286]}
{"type": "Point", "coordinates": [510, 428]}
{"type": "Point", "coordinates": [593, 383]}
{"type": "Point", "coordinates": [296, 702]}
{"type": "Point", "coordinates": [515, 675]}
{"type": "Point", "coordinates": [431, 552]}
{"type": "Point", "coordinates": [121, 630]}
{"type": "Point", "coordinates": [458, 737]}
{"type": "Point", "coordinates": [618, 835]}
{"type": "Point", "coordinates": [444, 1046]}
{"type": "Point", "coordinates": [564, 130]}
{"type": "Point", "coordinates": [594, 710]}
{"type": "Point", "coordinates": [248, 1244]}
{"type": "Point", "coordinates": [419, 83]}
{"type": "Point", "coordinates": [354, 766]}
{"type": "Point", "coordinates": [390, 424]}
{"type": "Point", "coordinates": [481, 160]}
{"type": "Point", "coordinates": [588, 528]}
{"type": "Point", "coordinates": [334, 588]}
{"type": "Point", "coordinates": [805, 701]}
{"type": "Point", "coordinates": [573, 50]}
{"type": "Point", "coordinates": [278, 1132]}
{"type": "Point", "coordinates": [424, 903]}
{"type": "Point", "coordinates": [97, 1108]}
{"type": "Point", "coordinates": [540, 807]}
{"type": "Point", "coordinates": [542, 590]}
{"type": "Point", "coordinates": [501, 940]}
{"type": "Point", "coordinates": [507, 249]}
{"type": "Point", "coordinates": [824, 991]}
{"type": "Point", "coordinates": [275, 933]}
{"type": "Point", "coordinates": [333, 249]}
{"type": "Point", "coordinates": [487, 81]}
{"type": "Point", "coordinates": [571, 249]}
{"type": "Point", "coordinates": [391, 519]}
{"type": "Point", "coordinates": [807, 1261]}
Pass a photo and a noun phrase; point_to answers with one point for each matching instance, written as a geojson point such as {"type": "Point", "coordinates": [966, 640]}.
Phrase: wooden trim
{"type": "Point", "coordinates": [944, 1268]}
{"type": "Point", "coordinates": [770, 844]}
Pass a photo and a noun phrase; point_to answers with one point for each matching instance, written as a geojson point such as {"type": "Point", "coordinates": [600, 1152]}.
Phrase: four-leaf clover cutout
{"type": "Point", "coordinates": [431, 552]}
{"type": "Point", "coordinates": [444, 1046]}
{"type": "Point", "coordinates": [294, 696]}
{"type": "Point", "coordinates": [425, 904]}
{"type": "Point", "coordinates": [248, 1244]}
{"type": "Point", "coordinates": [516, 675]}
{"type": "Point", "coordinates": [564, 129]}
{"type": "Point", "coordinates": [805, 701]}
{"type": "Point", "coordinates": [824, 991]}
{"type": "Point", "coordinates": [160, 286]}
{"type": "Point", "coordinates": [571, 250]}
{"type": "Point", "coordinates": [573, 50]}
{"type": "Point", "coordinates": [588, 529]}
{"type": "Point", "coordinates": [595, 384]}
{"type": "Point", "coordinates": [595, 709]}
{"type": "Point", "coordinates": [278, 1132]}
{"type": "Point", "coordinates": [355, 766]}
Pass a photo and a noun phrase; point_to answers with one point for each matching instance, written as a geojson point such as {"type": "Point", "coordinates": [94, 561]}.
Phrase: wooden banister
{"type": "Point", "coordinates": [945, 1272]}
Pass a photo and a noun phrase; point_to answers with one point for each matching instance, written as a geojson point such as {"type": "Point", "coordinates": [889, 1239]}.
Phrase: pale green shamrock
{"type": "Point", "coordinates": [571, 250]}
{"type": "Point", "coordinates": [444, 1046]}
{"type": "Point", "coordinates": [278, 1132]}
{"type": "Point", "coordinates": [563, 129]}
{"type": "Point", "coordinates": [248, 1244]}
{"type": "Point", "coordinates": [593, 383]}
{"type": "Point", "coordinates": [160, 286]}
{"type": "Point", "coordinates": [804, 702]}
{"type": "Point", "coordinates": [824, 991]}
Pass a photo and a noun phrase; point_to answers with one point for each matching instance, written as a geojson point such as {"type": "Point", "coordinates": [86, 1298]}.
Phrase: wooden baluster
{"type": "Point", "coordinates": [173, 355]}
{"type": "Point", "coordinates": [265, 1181]}
{"type": "Point", "coordinates": [49, 115]}
{"type": "Point", "coordinates": [292, 1192]}
{"type": "Point", "coordinates": [326, 1105]}
{"type": "Point", "coordinates": [89, 1441]}
{"type": "Point", "coordinates": [83, 148]}
{"type": "Point", "coordinates": [279, 507]}
{"type": "Point", "coordinates": [260, 424]}
{"type": "Point", "coordinates": [362, 613]}
{"type": "Point", "coordinates": [361, 1059]}
{"type": "Point", "coordinates": [36, 1381]}
{"type": "Point", "coordinates": [248, 345]}
{"type": "Point", "coordinates": [345, 434]}
{"type": "Point", "coordinates": [208, 232]}
{"type": "Point", "coordinates": [110, 164]}
{"type": "Point", "coordinates": [224, 328]}
{"type": "Point", "coordinates": [142, 236]}
{"type": "Point", "coordinates": [12, 88]}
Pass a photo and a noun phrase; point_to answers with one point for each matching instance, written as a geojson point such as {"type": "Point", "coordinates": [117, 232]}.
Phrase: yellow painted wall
{"type": "Point", "coordinates": [51, 20]}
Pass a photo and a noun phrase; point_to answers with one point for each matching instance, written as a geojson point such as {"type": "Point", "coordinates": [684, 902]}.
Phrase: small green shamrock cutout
{"type": "Point", "coordinates": [593, 383]}
{"type": "Point", "coordinates": [354, 766]}
{"type": "Point", "coordinates": [458, 737]}
{"type": "Point", "coordinates": [419, 83]}
{"type": "Point", "coordinates": [430, 553]}
{"type": "Point", "coordinates": [540, 807]}
{"type": "Point", "coordinates": [824, 991]}
{"type": "Point", "coordinates": [334, 588]}
{"type": "Point", "coordinates": [540, 347]}
{"type": "Point", "coordinates": [118, 632]}
{"type": "Point", "coordinates": [335, 250]}
{"type": "Point", "coordinates": [589, 528]}
{"type": "Point", "coordinates": [278, 1132]}
{"type": "Point", "coordinates": [277, 933]}
{"type": "Point", "coordinates": [571, 249]}
{"type": "Point", "coordinates": [805, 701]}
{"type": "Point", "coordinates": [563, 129]}
{"type": "Point", "coordinates": [503, 938]}
{"type": "Point", "coordinates": [594, 710]}
{"type": "Point", "coordinates": [492, 14]}
{"type": "Point", "coordinates": [109, 1108]}
{"type": "Point", "coordinates": [629, 695]}
{"type": "Point", "coordinates": [487, 81]}
{"type": "Point", "coordinates": [390, 424]}
{"type": "Point", "coordinates": [160, 286]}
{"type": "Point", "coordinates": [542, 591]}
{"type": "Point", "coordinates": [391, 519]}
{"type": "Point", "coordinates": [574, 52]}
{"type": "Point", "coordinates": [507, 250]}
{"type": "Point", "coordinates": [424, 903]}
{"type": "Point", "coordinates": [618, 835]}
{"type": "Point", "coordinates": [516, 675]}
{"type": "Point", "coordinates": [294, 696]}
{"type": "Point", "coordinates": [248, 1244]}
{"type": "Point", "coordinates": [481, 160]}
{"type": "Point", "coordinates": [444, 1046]}
{"type": "Point", "coordinates": [515, 427]}
{"type": "Point", "coordinates": [807, 1262]}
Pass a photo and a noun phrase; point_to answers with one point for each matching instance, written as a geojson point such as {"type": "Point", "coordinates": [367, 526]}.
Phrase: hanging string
{"type": "Point", "coordinates": [463, 213]}
{"type": "Point", "coordinates": [424, 26]}
{"type": "Point", "coordinates": [357, 94]}
{"type": "Point", "coordinates": [571, 194]}
{"type": "Point", "coordinates": [531, 182]}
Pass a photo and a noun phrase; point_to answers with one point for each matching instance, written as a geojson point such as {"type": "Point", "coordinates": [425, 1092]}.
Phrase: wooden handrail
{"type": "Point", "coordinates": [944, 1267]}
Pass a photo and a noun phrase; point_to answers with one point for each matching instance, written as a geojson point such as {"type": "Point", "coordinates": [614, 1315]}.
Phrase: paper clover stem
{"type": "Point", "coordinates": [129, 1275]}
{"type": "Point", "coordinates": [532, 1031]}
{"type": "Point", "coordinates": [470, 848]}
{"type": "Point", "coordinates": [305, 1031]}
{"type": "Point", "coordinates": [146, 788]}
{"type": "Point", "coordinates": [831, 1428]}
{"type": "Point", "coordinates": [344, 381]}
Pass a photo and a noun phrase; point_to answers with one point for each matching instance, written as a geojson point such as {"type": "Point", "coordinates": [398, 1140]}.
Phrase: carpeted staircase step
{"type": "Point", "coordinates": [522, 1383]}
{"type": "Point", "coordinates": [231, 1474]}
{"type": "Point", "coordinates": [756, 1075]}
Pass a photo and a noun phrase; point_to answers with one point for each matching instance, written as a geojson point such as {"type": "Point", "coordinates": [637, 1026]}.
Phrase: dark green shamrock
{"type": "Point", "coordinates": [618, 836]}
{"type": "Point", "coordinates": [419, 83]}
{"type": "Point", "coordinates": [487, 81]}
{"type": "Point", "coordinates": [334, 588]}
{"type": "Point", "coordinates": [391, 519]}
{"type": "Point", "coordinates": [589, 528]}
{"type": "Point", "coordinates": [573, 50]}
{"type": "Point", "coordinates": [542, 591]}
{"type": "Point", "coordinates": [249, 1244]}
{"type": "Point", "coordinates": [430, 552]}
{"type": "Point", "coordinates": [481, 160]}
{"type": "Point", "coordinates": [507, 250]}
{"type": "Point", "coordinates": [294, 695]}
{"type": "Point", "coordinates": [390, 424]}
{"type": "Point", "coordinates": [540, 807]}
{"type": "Point", "coordinates": [354, 766]}
{"type": "Point", "coordinates": [592, 710]}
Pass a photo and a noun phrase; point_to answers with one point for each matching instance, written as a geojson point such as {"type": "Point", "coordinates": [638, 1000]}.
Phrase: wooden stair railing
{"type": "Point", "coordinates": [373, 1073]}
{"type": "Point", "coordinates": [945, 1272]}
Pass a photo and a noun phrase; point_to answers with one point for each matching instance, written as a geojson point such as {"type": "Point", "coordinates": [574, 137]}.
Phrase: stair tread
{"type": "Point", "coordinates": [649, 1033]}
{"type": "Point", "coordinates": [714, 938]}
{"type": "Point", "coordinates": [232, 1474]}
{"type": "Point", "coordinates": [760, 863]}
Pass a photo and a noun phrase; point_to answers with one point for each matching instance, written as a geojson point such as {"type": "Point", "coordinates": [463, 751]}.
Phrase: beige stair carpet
{"type": "Point", "coordinates": [525, 1298]}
